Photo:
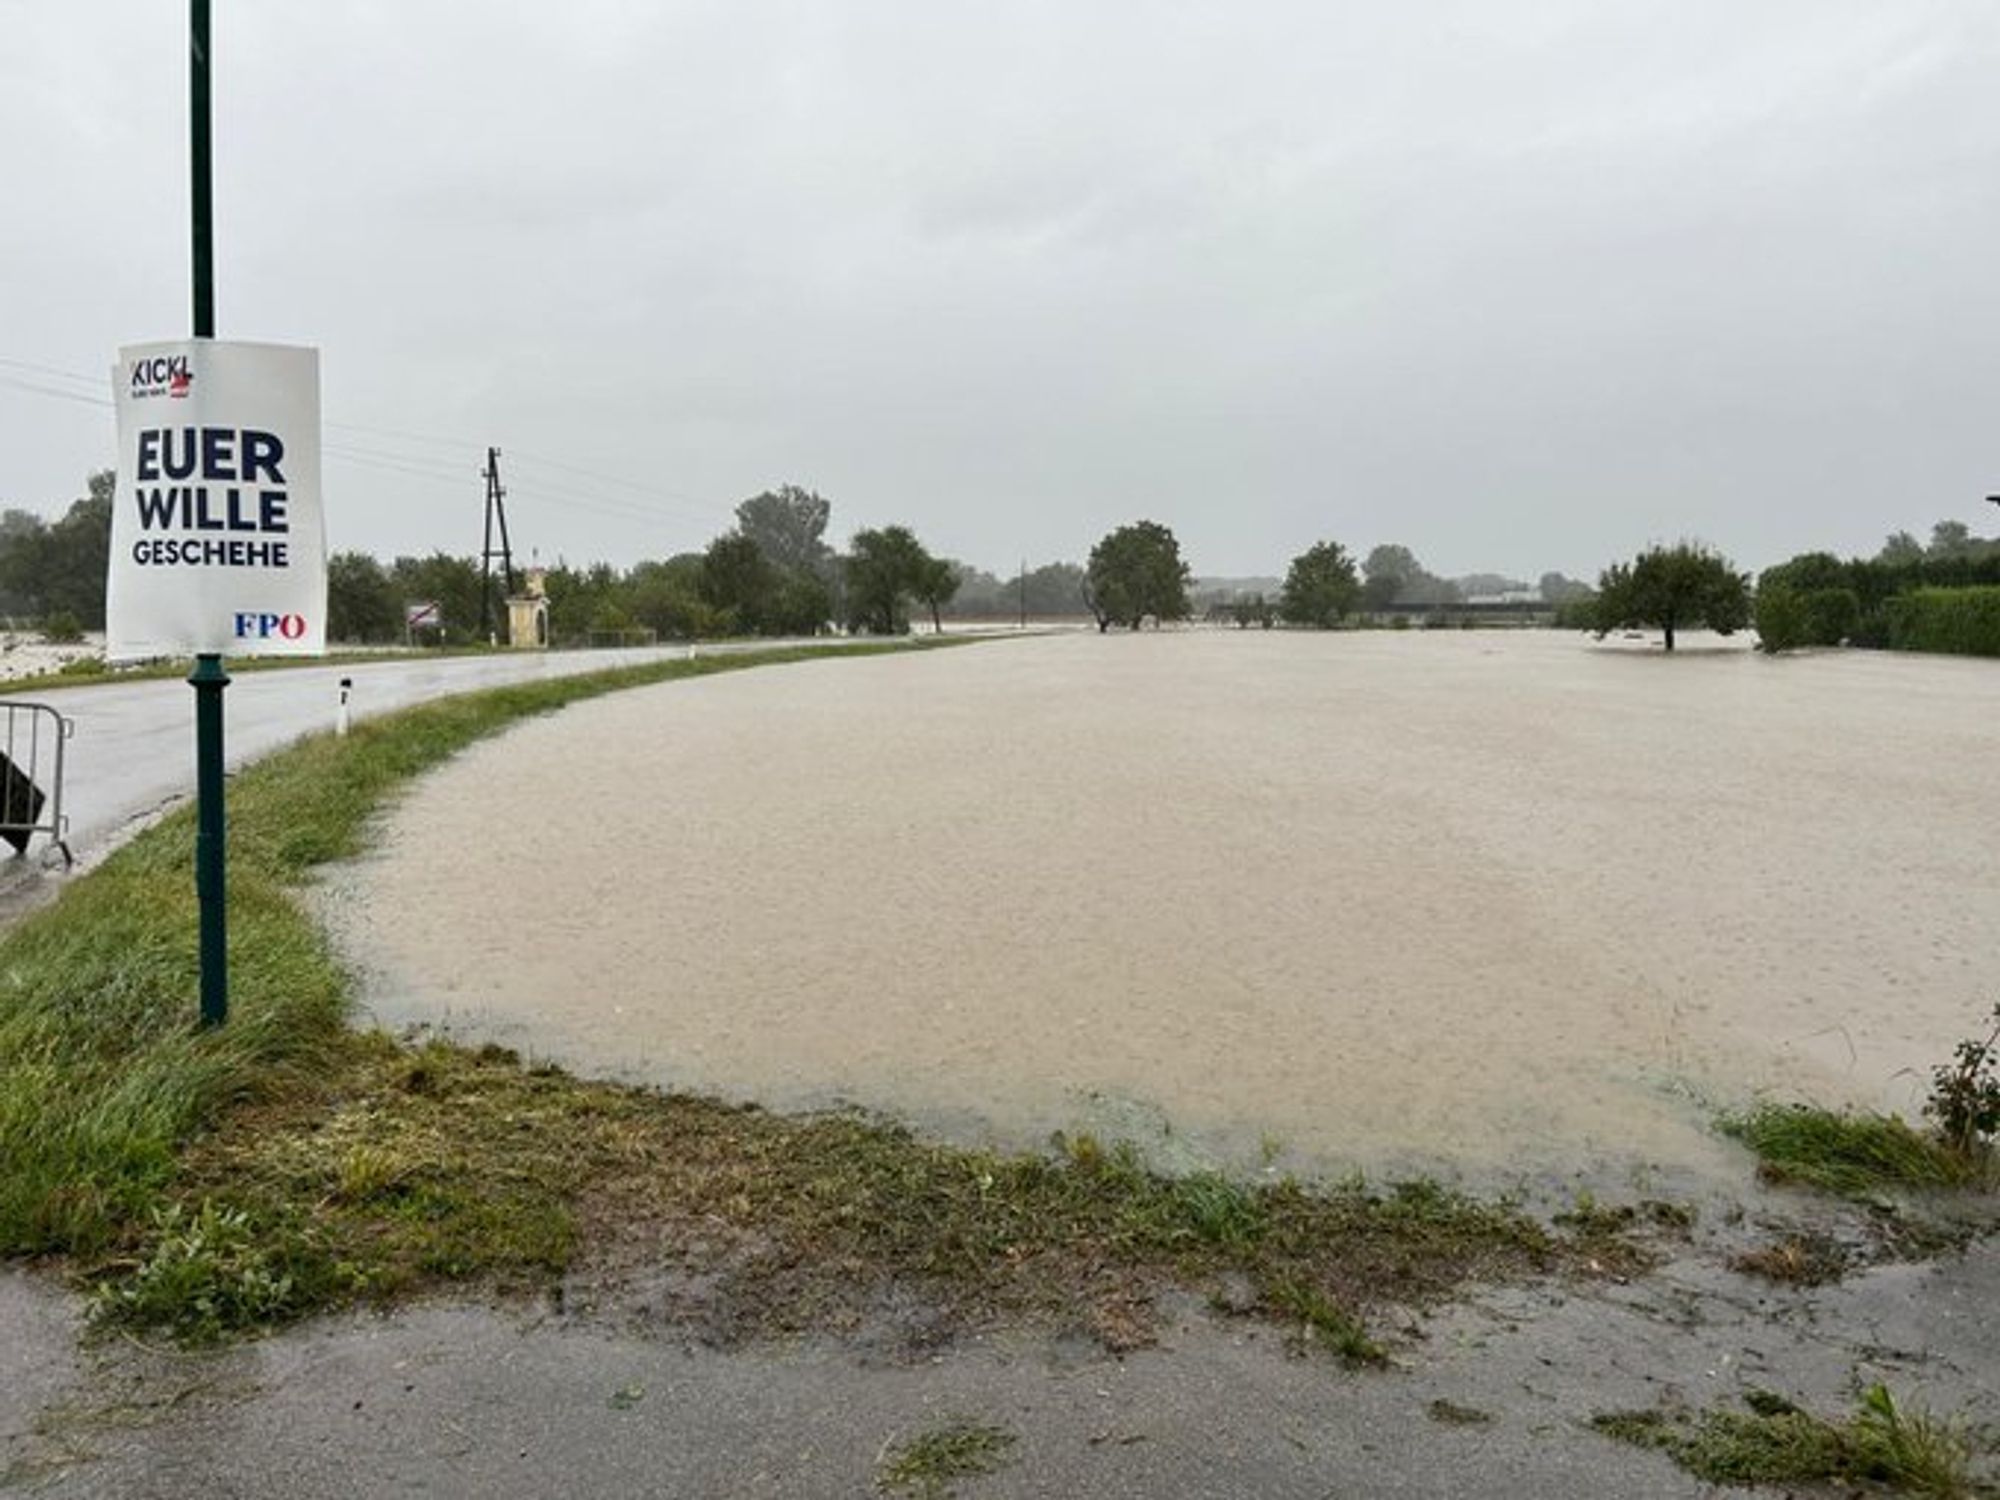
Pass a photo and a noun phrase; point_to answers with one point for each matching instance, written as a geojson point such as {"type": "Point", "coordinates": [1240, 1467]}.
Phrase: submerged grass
{"type": "Point", "coordinates": [1852, 1155]}
{"type": "Point", "coordinates": [1776, 1442]}
{"type": "Point", "coordinates": [927, 1465]}
{"type": "Point", "coordinates": [209, 1182]}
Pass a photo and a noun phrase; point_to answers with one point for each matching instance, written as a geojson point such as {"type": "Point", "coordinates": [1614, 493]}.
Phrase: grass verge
{"type": "Point", "coordinates": [1775, 1442]}
{"type": "Point", "coordinates": [210, 1182]}
{"type": "Point", "coordinates": [101, 1076]}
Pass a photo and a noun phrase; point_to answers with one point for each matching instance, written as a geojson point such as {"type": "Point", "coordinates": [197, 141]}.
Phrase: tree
{"type": "Point", "coordinates": [1950, 539]}
{"type": "Point", "coordinates": [1320, 588]}
{"type": "Point", "coordinates": [452, 583]}
{"type": "Point", "coordinates": [801, 604]}
{"type": "Point", "coordinates": [1394, 576]}
{"type": "Point", "coordinates": [788, 525]}
{"type": "Point", "coordinates": [1671, 588]}
{"type": "Point", "coordinates": [936, 582]}
{"type": "Point", "coordinates": [362, 600]}
{"type": "Point", "coordinates": [1559, 590]}
{"type": "Point", "coordinates": [24, 540]}
{"type": "Point", "coordinates": [1134, 572]}
{"type": "Point", "coordinates": [666, 598]}
{"type": "Point", "coordinates": [738, 580]}
{"type": "Point", "coordinates": [1900, 550]}
{"type": "Point", "coordinates": [883, 569]}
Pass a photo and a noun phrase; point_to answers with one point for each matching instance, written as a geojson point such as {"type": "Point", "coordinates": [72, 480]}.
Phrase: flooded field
{"type": "Point", "coordinates": [1508, 903]}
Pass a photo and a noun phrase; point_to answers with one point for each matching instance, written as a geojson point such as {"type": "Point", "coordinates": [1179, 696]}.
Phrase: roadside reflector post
{"type": "Point", "coordinates": [340, 718]}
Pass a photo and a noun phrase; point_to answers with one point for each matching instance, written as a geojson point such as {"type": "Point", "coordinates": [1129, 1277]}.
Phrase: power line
{"type": "Point", "coordinates": [677, 503]}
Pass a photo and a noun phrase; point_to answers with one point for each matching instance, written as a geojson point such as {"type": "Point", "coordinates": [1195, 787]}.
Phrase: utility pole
{"type": "Point", "coordinates": [208, 678]}
{"type": "Point", "coordinates": [496, 511]}
{"type": "Point", "coordinates": [1024, 593]}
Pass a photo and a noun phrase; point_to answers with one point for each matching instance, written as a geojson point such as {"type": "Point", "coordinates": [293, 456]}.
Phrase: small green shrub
{"type": "Point", "coordinates": [1780, 618]}
{"type": "Point", "coordinates": [1965, 1094]}
{"type": "Point", "coordinates": [214, 1272]}
{"type": "Point", "coordinates": [62, 629]}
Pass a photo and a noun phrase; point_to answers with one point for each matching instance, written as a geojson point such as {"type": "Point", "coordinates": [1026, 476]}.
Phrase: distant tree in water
{"type": "Point", "coordinates": [1671, 589]}
{"type": "Point", "coordinates": [1052, 589]}
{"type": "Point", "coordinates": [1320, 587]}
{"type": "Point", "coordinates": [884, 569]}
{"type": "Point", "coordinates": [1559, 590]}
{"type": "Point", "coordinates": [1394, 576]}
{"type": "Point", "coordinates": [1255, 610]}
{"type": "Point", "coordinates": [936, 582]}
{"type": "Point", "coordinates": [1134, 572]}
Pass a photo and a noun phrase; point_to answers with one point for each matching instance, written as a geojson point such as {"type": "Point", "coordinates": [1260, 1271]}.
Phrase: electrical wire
{"type": "Point", "coordinates": [533, 490]}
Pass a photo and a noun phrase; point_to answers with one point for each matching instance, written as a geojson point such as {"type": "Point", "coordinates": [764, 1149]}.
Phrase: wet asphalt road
{"type": "Point", "coordinates": [133, 751]}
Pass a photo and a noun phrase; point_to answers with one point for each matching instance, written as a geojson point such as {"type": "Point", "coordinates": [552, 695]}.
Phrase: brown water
{"type": "Point", "coordinates": [1509, 901]}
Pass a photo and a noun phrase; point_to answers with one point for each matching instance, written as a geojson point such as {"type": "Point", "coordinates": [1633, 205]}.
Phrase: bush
{"type": "Point", "coordinates": [1958, 621]}
{"type": "Point", "coordinates": [1831, 615]}
{"type": "Point", "coordinates": [1965, 1093]}
{"type": "Point", "coordinates": [1780, 617]}
{"type": "Point", "coordinates": [62, 629]}
{"type": "Point", "coordinates": [1579, 613]}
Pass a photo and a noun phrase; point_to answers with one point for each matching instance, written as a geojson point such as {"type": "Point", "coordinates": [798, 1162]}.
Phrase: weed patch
{"type": "Point", "coordinates": [1804, 1259]}
{"type": "Point", "coordinates": [1776, 1442]}
{"type": "Point", "coordinates": [927, 1464]}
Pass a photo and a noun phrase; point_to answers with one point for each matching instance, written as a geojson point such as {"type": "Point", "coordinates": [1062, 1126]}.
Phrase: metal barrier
{"type": "Point", "coordinates": [32, 736]}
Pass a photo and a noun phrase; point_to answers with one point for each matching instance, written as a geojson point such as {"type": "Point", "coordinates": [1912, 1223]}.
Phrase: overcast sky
{"type": "Point", "coordinates": [1522, 284]}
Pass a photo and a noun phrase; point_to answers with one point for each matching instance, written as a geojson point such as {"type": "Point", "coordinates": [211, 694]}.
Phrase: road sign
{"type": "Point", "coordinates": [217, 541]}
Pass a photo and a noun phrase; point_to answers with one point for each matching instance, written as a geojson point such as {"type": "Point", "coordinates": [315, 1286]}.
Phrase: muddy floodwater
{"type": "Point", "coordinates": [1510, 903]}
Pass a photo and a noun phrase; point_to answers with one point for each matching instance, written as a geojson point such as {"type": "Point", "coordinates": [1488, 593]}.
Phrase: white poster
{"type": "Point", "coordinates": [217, 541]}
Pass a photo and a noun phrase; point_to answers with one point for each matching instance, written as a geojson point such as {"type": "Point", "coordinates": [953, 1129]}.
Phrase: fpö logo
{"type": "Point", "coordinates": [256, 627]}
{"type": "Point", "coordinates": [161, 376]}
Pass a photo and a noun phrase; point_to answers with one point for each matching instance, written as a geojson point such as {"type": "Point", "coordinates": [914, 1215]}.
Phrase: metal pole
{"type": "Point", "coordinates": [208, 678]}
{"type": "Point", "coordinates": [202, 200]}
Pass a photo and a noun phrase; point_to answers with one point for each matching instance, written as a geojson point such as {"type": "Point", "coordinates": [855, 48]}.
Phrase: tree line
{"type": "Point", "coordinates": [773, 572]}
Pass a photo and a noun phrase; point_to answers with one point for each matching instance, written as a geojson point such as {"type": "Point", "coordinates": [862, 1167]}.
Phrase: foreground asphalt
{"type": "Point", "coordinates": [1489, 1397]}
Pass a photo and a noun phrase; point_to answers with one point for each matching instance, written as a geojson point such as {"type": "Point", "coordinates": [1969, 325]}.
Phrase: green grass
{"type": "Point", "coordinates": [210, 1182]}
{"type": "Point", "coordinates": [927, 1464]}
{"type": "Point", "coordinates": [101, 1076]}
{"type": "Point", "coordinates": [1852, 1155]}
{"type": "Point", "coordinates": [1778, 1443]}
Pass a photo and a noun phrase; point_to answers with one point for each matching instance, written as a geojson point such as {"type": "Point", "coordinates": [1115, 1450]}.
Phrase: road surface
{"type": "Point", "coordinates": [133, 754]}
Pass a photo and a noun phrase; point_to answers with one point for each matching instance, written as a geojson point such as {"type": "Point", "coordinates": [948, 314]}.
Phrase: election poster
{"type": "Point", "coordinates": [217, 539]}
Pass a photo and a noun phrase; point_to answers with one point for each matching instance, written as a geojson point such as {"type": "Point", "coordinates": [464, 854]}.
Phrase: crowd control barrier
{"type": "Point", "coordinates": [32, 736]}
